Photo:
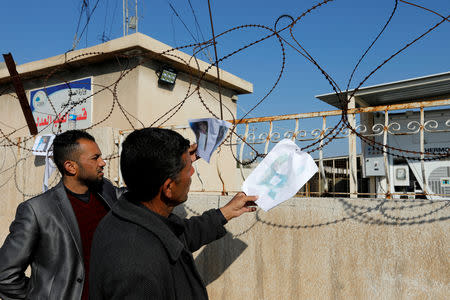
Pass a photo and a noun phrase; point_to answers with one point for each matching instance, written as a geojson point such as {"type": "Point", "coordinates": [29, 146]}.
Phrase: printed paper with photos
{"type": "Point", "coordinates": [280, 175]}
{"type": "Point", "coordinates": [209, 134]}
{"type": "Point", "coordinates": [43, 145]}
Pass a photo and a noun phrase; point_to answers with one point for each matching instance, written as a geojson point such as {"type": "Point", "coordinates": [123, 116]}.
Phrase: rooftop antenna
{"type": "Point", "coordinates": [130, 20]}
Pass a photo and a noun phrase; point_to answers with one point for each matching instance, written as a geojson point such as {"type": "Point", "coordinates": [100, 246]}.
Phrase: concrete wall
{"type": "Point", "coordinates": [306, 248]}
{"type": "Point", "coordinates": [303, 249]}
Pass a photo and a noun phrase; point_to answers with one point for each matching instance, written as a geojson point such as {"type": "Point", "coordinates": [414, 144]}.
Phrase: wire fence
{"type": "Point", "coordinates": [250, 144]}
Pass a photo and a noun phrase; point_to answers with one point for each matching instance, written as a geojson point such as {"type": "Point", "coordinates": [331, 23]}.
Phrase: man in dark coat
{"type": "Point", "coordinates": [140, 249]}
{"type": "Point", "coordinates": [53, 231]}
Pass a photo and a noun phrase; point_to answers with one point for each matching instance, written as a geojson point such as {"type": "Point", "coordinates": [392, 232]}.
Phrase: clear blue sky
{"type": "Point", "coordinates": [336, 35]}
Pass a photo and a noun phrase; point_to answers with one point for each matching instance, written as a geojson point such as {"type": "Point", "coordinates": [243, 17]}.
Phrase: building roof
{"type": "Point", "coordinates": [134, 44]}
{"type": "Point", "coordinates": [410, 90]}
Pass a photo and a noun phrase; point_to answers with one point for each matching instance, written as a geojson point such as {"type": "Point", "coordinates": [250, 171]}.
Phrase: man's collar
{"type": "Point", "coordinates": [83, 197]}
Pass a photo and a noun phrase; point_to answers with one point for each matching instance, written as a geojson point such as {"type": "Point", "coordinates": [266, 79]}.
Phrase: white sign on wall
{"type": "Point", "coordinates": [48, 116]}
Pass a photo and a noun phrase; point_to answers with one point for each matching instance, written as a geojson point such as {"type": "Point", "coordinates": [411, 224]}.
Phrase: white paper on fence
{"type": "Point", "coordinates": [209, 134]}
{"type": "Point", "coordinates": [50, 167]}
{"type": "Point", "coordinates": [42, 145]}
{"type": "Point", "coordinates": [280, 175]}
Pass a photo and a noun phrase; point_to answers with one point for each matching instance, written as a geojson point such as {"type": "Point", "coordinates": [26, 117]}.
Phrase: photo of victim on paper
{"type": "Point", "coordinates": [42, 145]}
{"type": "Point", "coordinates": [209, 134]}
{"type": "Point", "coordinates": [201, 134]}
{"type": "Point", "coordinates": [220, 136]}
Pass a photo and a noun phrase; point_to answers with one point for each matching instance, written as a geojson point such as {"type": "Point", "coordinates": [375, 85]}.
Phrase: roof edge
{"type": "Point", "coordinates": [143, 42]}
{"type": "Point", "coordinates": [399, 83]}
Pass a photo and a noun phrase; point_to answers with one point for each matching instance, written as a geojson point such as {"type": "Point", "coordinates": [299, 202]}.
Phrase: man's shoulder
{"type": "Point", "coordinates": [46, 197]}
{"type": "Point", "coordinates": [110, 191]}
{"type": "Point", "coordinates": [115, 234]}
{"type": "Point", "coordinates": [45, 204]}
{"type": "Point", "coordinates": [117, 227]}
{"type": "Point", "coordinates": [107, 183]}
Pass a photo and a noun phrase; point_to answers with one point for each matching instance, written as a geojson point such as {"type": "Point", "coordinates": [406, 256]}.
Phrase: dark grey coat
{"type": "Point", "coordinates": [45, 235]}
{"type": "Point", "coordinates": [135, 254]}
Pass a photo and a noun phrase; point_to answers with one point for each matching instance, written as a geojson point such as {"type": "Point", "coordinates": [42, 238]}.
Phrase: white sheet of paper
{"type": "Point", "coordinates": [43, 147]}
{"type": "Point", "coordinates": [50, 168]}
{"type": "Point", "coordinates": [280, 175]}
{"type": "Point", "coordinates": [209, 133]}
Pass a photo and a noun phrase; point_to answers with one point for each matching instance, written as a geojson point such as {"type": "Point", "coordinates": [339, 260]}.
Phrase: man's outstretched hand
{"type": "Point", "coordinates": [241, 203]}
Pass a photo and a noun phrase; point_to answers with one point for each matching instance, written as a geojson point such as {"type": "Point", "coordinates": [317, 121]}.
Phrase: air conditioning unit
{"type": "Point", "coordinates": [439, 180]}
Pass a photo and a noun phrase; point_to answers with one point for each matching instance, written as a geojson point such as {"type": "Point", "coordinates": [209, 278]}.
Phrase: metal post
{"type": "Point", "coordinates": [368, 120]}
{"type": "Point", "coordinates": [385, 156]}
{"type": "Point", "coordinates": [294, 135]}
{"type": "Point", "coordinates": [321, 168]}
{"type": "Point", "coordinates": [334, 177]}
{"type": "Point", "coordinates": [347, 169]}
{"type": "Point", "coordinates": [268, 137]}
{"type": "Point", "coordinates": [18, 86]}
{"type": "Point", "coordinates": [353, 180]}
{"type": "Point", "coordinates": [241, 152]}
{"type": "Point", "coordinates": [422, 150]}
{"type": "Point", "coordinates": [319, 183]}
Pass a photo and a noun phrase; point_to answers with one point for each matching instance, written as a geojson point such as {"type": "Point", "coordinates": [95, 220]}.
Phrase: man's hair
{"type": "Point", "coordinates": [65, 146]}
{"type": "Point", "coordinates": [149, 157]}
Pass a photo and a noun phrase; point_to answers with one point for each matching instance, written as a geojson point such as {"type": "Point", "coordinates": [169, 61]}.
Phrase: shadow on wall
{"type": "Point", "coordinates": [216, 257]}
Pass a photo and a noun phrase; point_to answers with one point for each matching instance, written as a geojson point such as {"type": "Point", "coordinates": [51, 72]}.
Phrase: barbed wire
{"type": "Point", "coordinates": [196, 76]}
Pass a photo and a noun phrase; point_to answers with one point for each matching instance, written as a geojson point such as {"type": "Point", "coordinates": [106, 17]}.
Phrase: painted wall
{"type": "Point", "coordinates": [135, 101]}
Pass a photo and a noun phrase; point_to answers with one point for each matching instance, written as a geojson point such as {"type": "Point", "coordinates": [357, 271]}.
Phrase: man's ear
{"type": "Point", "coordinates": [166, 188]}
{"type": "Point", "coordinates": [70, 167]}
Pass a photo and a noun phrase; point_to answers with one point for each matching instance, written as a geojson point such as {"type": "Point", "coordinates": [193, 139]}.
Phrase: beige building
{"type": "Point", "coordinates": [129, 66]}
{"type": "Point", "coordinates": [122, 91]}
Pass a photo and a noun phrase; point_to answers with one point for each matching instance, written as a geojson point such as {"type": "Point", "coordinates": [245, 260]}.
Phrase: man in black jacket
{"type": "Point", "coordinates": [53, 231]}
{"type": "Point", "coordinates": [140, 249]}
